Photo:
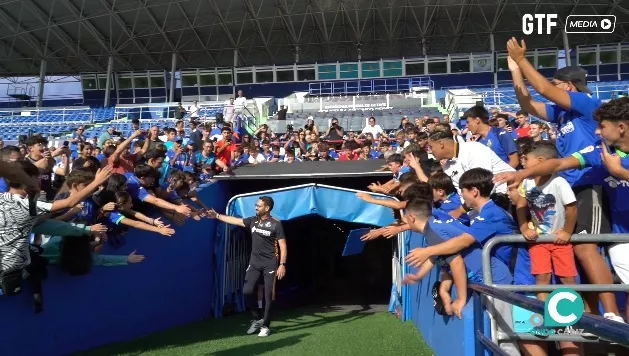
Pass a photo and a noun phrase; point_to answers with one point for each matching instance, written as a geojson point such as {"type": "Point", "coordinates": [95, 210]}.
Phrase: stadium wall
{"type": "Point", "coordinates": [173, 286]}
{"type": "Point", "coordinates": [445, 335]}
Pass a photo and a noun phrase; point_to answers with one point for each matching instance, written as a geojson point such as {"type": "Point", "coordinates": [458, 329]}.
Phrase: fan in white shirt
{"type": "Point", "coordinates": [194, 110]}
{"type": "Point", "coordinates": [373, 129]}
{"type": "Point", "coordinates": [461, 157]}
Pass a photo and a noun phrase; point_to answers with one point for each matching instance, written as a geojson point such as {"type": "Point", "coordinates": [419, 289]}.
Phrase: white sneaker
{"type": "Point", "coordinates": [264, 332]}
{"type": "Point", "coordinates": [613, 317]}
{"type": "Point", "coordinates": [255, 326]}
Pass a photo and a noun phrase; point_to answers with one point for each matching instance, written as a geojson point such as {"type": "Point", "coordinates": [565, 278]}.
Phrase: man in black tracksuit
{"type": "Point", "coordinates": [265, 231]}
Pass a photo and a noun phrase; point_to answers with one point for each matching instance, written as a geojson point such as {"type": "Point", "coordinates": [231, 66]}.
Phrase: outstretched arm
{"type": "Point", "coordinates": [231, 220]}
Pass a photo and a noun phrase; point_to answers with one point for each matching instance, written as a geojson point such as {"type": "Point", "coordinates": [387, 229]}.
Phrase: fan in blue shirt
{"type": "Point", "coordinates": [498, 139]}
{"type": "Point", "coordinates": [476, 186]}
{"type": "Point", "coordinates": [572, 109]}
{"type": "Point", "coordinates": [447, 198]}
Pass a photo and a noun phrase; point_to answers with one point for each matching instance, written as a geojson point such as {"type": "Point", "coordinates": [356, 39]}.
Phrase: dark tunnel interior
{"type": "Point", "coordinates": [317, 273]}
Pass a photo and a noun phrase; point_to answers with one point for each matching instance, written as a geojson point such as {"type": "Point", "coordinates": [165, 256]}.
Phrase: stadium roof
{"type": "Point", "coordinates": [78, 35]}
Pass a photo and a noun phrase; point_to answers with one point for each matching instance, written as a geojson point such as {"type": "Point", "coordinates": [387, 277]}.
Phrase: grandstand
{"type": "Point", "coordinates": [348, 60]}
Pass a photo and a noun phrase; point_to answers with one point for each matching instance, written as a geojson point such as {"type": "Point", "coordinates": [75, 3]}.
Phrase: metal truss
{"type": "Point", "coordinates": [72, 35]}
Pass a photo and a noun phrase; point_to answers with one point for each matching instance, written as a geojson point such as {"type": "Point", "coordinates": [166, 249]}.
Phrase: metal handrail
{"type": "Point", "coordinates": [578, 238]}
{"type": "Point", "coordinates": [614, 331]}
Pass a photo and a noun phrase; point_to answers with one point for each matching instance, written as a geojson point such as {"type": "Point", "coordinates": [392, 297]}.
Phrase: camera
{"type": "Point", "coordinates": [289, 128]}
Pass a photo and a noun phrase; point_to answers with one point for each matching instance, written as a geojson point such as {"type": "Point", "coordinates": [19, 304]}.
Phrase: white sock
{"type": "Point", "coordinates": [260, 304]}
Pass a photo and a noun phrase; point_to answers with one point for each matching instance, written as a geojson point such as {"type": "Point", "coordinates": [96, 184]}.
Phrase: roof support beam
{"type": "Point", "coordinates": [256, 26]}
{"type": "Point", "coordinates": [575, 4]}
{"type": "Point", "coordinates": [163, 33]}
{"type": "Point", "coordinates": [288, 22]}
{"type": "Point", "coordinates": [125, 28]}
{"type": "Point", "coordinates": [95, 33]}
{"type": "Point", "coordinates": [464, 16]}
{"type": "Point", "coordinates": [196, 34]}
{"type": "Point", "coordinates": [68, 41]}
{"type": "Point", "coordinates": [228, 34]}
{"type": "Point", "coordinates": [33, 42]}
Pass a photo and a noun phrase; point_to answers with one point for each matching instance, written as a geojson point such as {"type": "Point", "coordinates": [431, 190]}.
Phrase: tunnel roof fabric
{"type": "Point", "coordinates": [320, 169]}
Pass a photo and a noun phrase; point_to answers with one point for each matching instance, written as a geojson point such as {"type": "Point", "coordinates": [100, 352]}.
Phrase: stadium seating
{"type": "Point", "coordinates": [504, 94]}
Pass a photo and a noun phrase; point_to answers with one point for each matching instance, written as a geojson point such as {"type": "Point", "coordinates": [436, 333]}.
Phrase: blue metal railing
{"type": "Point", "coordinates": [369, 86]}
{"type": "Point", "coordinates": [608, 330]}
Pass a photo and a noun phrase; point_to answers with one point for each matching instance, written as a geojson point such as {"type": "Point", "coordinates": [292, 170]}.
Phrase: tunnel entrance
{"type": "Point", "coordinates": [318, 274]}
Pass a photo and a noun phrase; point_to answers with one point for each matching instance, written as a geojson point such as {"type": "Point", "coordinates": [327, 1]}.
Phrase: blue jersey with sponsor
{"type": "Point", "coordinates": [490, 222]}
{"type": "Point", "coordinates": [135, 188]}
{"type": "Point", "coordinates": [576, 130]}
{"type": "Point", "coordinates": [500, 142]}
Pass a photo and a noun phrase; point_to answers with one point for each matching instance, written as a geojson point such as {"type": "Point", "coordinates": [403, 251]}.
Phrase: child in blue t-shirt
{"type": "Point", "coordinates": [436, 231]}
{"type": "Point", "coordinates": [446, 197]}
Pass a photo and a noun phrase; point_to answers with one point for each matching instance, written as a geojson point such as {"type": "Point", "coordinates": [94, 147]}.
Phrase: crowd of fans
{"type": "Point", "coordinates": [459, 185]}
{"type": "Point", "coordinates": [566, 174]}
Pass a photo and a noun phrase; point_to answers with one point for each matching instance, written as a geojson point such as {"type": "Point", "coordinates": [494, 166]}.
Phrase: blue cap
{"type": "Point", "coordinates": [178, 139]}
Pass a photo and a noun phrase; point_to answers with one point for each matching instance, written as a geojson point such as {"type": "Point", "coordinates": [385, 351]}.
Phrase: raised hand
{"type": "Point", "coordinates": [134, 258]}
{"type": "Point", "coordinates": [166, 231]}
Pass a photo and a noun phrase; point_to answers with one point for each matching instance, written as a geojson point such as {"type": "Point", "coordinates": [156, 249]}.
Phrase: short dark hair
{"type": "Point", "coordinates": [409, 177]}
{"type": "Point", "coordinates": [522, 112]}
{"type": "Point", "coordinates": [478, 178]}
{"type": "Point", "coordinates": [477, 111]}
{"type": "Point", "coordinates": [544, 149]}
{"type": "Point", "coordinates": [504, 116]}
{"type": "Point", "coordinates": [35, 139]}
{"type": "Point", "coordinates": [396, 158]}
{"type": "Point", "coordinates": [268, 201]}
{"type": "Point", "coordinates": [144, 170]}
{"type": "Point", "coordinates": [420, 207]}
{"type": "Point", "coordinates": [226, 129]}
{"type": "Point", "coordinates": [420, 190]}
{"type": "Point", "coordinates": [443, 181]}
{"type": "Point", "coordinates": [614, 111]}
{"type": "Point", "coordinates": [437, 135]}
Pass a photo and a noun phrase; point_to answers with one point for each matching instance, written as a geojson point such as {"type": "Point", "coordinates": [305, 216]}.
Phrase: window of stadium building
{"type": "Point", "coordinates": [158, 82]}
{"type": "Point", "coordinates": [189, 80]}
{"type": "Point", "coordinates": [608, 57]}
{"type": "Point", "coordinates": [89, 84]}
{"type": "Point", "coordinates": [264, 77]}
{"type": "Point", "coordinates": [246, 77]}
{"type": "Point", "coordinates": [547, 60]}
{"type": "Point", "coordinates": [460, 66]}
{"type": "Point", "coordinates": [306, 74]}
{"type": "Point", "coordinates": [587, 58]}
{"type": "Point", "coordinates": [624, 55]}
{"type": "Point", "coordinates": [141, 82]}
{"type": "Point", "coordinates": [440, 67]}
{"type": "Point", "coordinates": [415, 68]}
{"type": "Point", "coordinates": [125, 83]}
{"type": "Point", "coordinates": [285, 75]}
{"type": "Point", "coordinates": [207, 79]}
{"type": "Point", "coordinates": [225, 79]}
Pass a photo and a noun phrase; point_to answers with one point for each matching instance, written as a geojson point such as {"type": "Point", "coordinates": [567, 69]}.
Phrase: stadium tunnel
{"type": "Point", "coordinates": [318, 214]}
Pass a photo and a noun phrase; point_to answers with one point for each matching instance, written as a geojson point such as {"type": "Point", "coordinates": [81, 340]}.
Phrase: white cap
{"type": "Point", "coordinates": [311, 117]}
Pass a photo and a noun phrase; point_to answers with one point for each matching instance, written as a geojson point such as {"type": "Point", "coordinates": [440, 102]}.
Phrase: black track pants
{"type": "Point", "coordinates": [268, 271]}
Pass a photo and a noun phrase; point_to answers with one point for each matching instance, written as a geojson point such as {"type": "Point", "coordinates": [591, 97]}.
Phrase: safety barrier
{"type": "Point", "coordinates": [612, 330]}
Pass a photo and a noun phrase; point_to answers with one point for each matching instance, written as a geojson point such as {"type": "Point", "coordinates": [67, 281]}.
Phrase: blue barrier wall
{"type": "Point", "coordinates": [174, 285]}
{"type": "Point", "coordinates": [445, 335]}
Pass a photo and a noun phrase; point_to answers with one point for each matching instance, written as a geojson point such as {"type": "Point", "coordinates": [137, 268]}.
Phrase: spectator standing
{"type": "Point", "coordinates": [524, 127]}
{"type": "Point", "coordinates": [335, 132]}
{"type": "Point", "coordinates": [194, 110]}
{"type": "Point", "coordinates": [373, 129]}
{"type": "Point", "coordinates": [535, 131]}
{"type": "Point", "coordinates": [179, 112]}
{"type": "Point", "coordinates": [281, 113]}
{"type": "Point", "coordinates": [495, 138]}
{"type": "Point", "coordinates": [229, 111]}
{"type": "Point", "coordinates": [572, 110]}
{"type": "Point", "coordinates": [107, 135]}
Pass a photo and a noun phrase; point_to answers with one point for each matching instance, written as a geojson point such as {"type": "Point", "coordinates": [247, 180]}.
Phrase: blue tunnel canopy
{"type": "Point", "coordinates": [308, 199]}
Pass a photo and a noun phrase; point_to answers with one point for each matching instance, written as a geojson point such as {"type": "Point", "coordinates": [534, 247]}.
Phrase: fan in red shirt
{"type": "Point", "coordinates": [225, 149]}
{"type": "Point", "coordinates": [347, 153]}
{"type": "Point", "coordinates": [523, 129]}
